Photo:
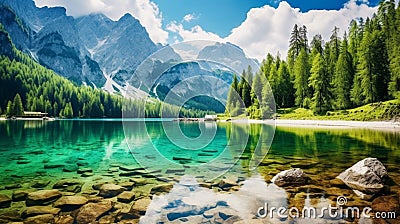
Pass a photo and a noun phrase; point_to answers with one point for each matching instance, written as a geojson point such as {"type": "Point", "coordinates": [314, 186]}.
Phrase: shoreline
{"type": "Point", "coordinates": [388, 125]}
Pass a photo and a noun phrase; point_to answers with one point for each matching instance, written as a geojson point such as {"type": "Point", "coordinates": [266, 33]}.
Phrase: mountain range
{"type": "Point", "coordinates": [97, 51]}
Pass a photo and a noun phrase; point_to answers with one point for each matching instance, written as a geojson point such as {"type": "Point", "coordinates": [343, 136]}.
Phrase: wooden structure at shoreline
{"type": "Point", "coordinates": [206, 118]}
{"type": "Point", "coordinates": [33, 114]}
{"type": "Point", "coordinates": [189, 119]}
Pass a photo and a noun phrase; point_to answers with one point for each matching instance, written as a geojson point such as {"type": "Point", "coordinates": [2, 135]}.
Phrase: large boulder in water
{"type": "Point", "coordinates": [367, 177]}
{"type": "Point", "coordinates": [292, 177]}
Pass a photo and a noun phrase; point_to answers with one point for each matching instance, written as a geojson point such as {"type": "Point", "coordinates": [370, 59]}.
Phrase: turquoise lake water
{"type": "Point", "coordinates": [53, 150]}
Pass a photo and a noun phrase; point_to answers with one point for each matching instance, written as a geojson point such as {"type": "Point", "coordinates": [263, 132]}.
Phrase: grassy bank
{"type": "Point", "coordinates": [381, 111]}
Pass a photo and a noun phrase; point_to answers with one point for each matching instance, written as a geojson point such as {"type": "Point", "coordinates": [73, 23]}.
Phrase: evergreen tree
{"type": "Point", "coordinates": [343, 77]}
{"type": "Point", "coordinates": [392, 29]}
{"type": "Point", "coordinates": [55, 109]}
{"type": "Point", "coordinates": [319, 81]}
{"type": "Point", "coordinates": [233, 101]}
{"type": "Point", "coordinates": [354, 42]}
{"type": "Point", "coordinates": [334, 39]}
{"type": "Point", "coordinates": [17, 107]}
{"type": "Point", "coordinates": [246, 94]}
{"type": "Point", "coordinates": [235, 83]}
{"type": "Point", "coordinates": [273, 79]}
{"type": "Point", "coordinates": [364, 70]}
{"type": "Point", "coordinates": [257, 87]}
{"type": "Point", "coordinates": [380, 65]}
{"type": "Point", "coordinates": [9, 109]}
{"type": "Point", "coordinates": [294, 46]}
{"type": "Point", "coordinates": [333, 50]}
{"type": "Point", "coordinates": [68, 111]}
{"type": "Point", "coordinates": [265, 67]}
{"type": "Point", "coordinates": [295, 43]}
{"type": "Point", "coordinates": [249, 75]}
{"type": "Point", "coordinates": [285, 87]}
{"type": "Point", "coordinates": [304, 38]}
{"type": "Point", "coordinates": [268, 103]}
{"type": "Point", "coordinates": [356, 94]}
{"type": "Point", "coordinates": [301, 71]}
{"type": "Point", "coordinates": [316, 48]}
{"type": "Point", "coordinates": [373, 69]}
{"type": "Point", "coordinates": [317, 44]}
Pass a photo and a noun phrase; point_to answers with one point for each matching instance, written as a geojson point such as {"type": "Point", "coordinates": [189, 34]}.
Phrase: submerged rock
{"type": "Point", "coordinates": [113, 169]}
{"type": "Point", "coordinates": [126, 196]}
{"type": "Point", "coordinates": [20, 195]}
{"type": "Point", "coordinates": [53, 165]}
{"type": "Point", "coordinates": [227, 184]}
{"type": "Point", "coordinates": [175, 170]}
{"type": "Point", "coordinates": [23, 161]}
{"type": "Point", "coordinates": [204, 154]}
{"type": "Point", "coordinates": [139, 208]}
{"type": "Point", "coordinates": [209, 150]}
{"type": "Point", "coordinates": [337, 183]}
{"type": "Point", "coordinates": [64, 219]}
{"type": "Point", "coordinates": [110, 190]}
{"type": "Point", "coordinates": [83, 170]}
{"type": "Point", "coordinates": [69, 203]}
{"type": "Point", "coordinates": [130, 168]}
{"type": "Point", "coordinates": [91, 211]}
{"type": "Point", "coordinates": [161, 188]}
{"type": "Point", "coordinates": [12, 186]}
{"type": "Point", "coordinates": [70, 168]}
{"type": "Point", "coordinates": [139, 181]}
{"type": "Point", "coordinates": [87, 174]}
{"type": "Point", "coordinates": [42, 197]}
{"type": "Point", "coordinates": [40, 183]}
{"type": "Point", "coordinates": [182, 158]}
{"type": "Point", "coordinates": [40, 219]}
{"type": "Point", "coordinates": [292, 177]}
{"type": "Point", "coordinates": [139, 172]}
{"type": "Point", "coordinates": [40, 210]}
{"type": "Point", "coordinates": [5, 201]}
{"type": "Point", "coordinates": [367, 177]}
{"type": "Point", "coordinates": [68, 185]}
{"type": "Point", "coordinates": [82, 163]}
{"type": "Point", "coordinates": [66, 182]}
{"type": "Point", "coordinates": [127, 185]}
{"type": "Point", "coordinates": [386, 204]}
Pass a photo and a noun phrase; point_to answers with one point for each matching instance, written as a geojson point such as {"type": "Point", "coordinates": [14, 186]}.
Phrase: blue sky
{"type": "Point", "coordinates": [221, 16]}
{"type": "Point", "coordinates": [257, 26]}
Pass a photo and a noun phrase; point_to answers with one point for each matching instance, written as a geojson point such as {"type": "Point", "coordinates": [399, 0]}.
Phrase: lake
{"type": "Point", "coordinates": [185, 171]}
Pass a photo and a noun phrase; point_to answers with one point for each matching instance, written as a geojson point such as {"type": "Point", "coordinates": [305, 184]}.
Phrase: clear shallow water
{"type": "Point", "coordinates": [41, 150]}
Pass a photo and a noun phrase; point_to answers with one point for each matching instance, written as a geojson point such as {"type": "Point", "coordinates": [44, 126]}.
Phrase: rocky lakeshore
{"type": "Point", "coordinates": [126, 194]}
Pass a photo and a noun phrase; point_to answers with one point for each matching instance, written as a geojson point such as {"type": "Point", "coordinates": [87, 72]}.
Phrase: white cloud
{"type": "Point", "coordinates": [267, 29]}
{"type": "Point", "coordinates": [190, 17]}
{"type": "Point", "coordinates": [146, 11]}
{"type": "Point", "coordinates": [195, 33]}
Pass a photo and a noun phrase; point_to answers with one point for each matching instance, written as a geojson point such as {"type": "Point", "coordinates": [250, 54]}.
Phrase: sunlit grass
{"type": "Point", "coordinates": [388, 110]}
